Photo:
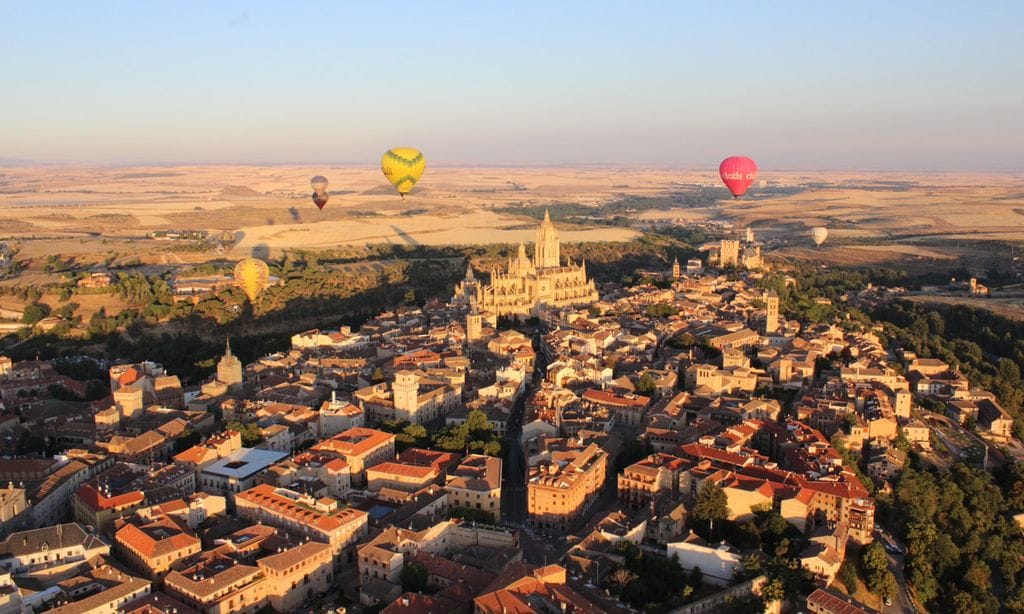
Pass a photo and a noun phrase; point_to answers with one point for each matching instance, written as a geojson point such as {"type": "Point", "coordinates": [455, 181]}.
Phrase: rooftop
{"type": "Point", "coordinates": [245, 462]}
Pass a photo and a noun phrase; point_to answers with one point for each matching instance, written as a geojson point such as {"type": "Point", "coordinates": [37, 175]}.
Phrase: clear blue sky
{"type": "Point", "coordinates": [866, 85]}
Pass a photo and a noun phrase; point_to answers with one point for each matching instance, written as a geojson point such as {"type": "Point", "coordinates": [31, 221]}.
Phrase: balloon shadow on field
{"type": "Point", "coordinates": [261, 251]}
{"type": "Point", "coordinates": [296, 216]}
{"type": "Point", "coordinates": [406, 237]}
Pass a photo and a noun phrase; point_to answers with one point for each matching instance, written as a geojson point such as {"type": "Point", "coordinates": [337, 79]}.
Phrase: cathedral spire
{"type": "Point", "coordinates": [546, 251]}
{"type": "Point", "coordinates": [227, 347]}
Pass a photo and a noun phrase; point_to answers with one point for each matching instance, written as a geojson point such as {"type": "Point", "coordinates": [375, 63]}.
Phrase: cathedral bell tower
{"type": "Point", "coordinates": [546, 251]}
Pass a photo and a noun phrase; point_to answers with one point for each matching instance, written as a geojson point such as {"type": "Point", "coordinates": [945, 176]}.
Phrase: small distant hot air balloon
{"type": "Point", "coordinates": [737, 172]}
{"type": "Point", "coordinates": [252, 275]}
{"type": "Point", "coordinates": [819, 234]}
{"type": "Point", "coordinates": [403, 166]}
{"type": "Point", "coordinates": [320, 195]}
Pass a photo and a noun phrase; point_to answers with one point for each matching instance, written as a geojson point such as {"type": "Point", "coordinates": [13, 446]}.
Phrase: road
{"type": "Point", "coordinates": [513, 486]}
{"type": "Point", "coordinates": [902, 603]}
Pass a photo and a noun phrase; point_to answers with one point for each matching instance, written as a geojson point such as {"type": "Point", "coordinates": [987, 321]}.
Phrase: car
{"type": "Point", "coordinates": [887, 601]}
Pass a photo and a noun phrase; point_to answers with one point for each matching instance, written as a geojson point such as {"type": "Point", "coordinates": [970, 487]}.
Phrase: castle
{"type": "Point", "coordinates": [734, 253]}
{"type": "Point", "coordinates": [527, 286]}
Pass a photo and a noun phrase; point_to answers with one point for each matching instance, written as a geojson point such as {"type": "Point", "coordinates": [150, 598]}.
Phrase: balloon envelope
{"type": "Point", "coordinates": [819, 234]}
{"type": "Point", "coordinates": [403, 167]}
{"type": "Point", "coordinates": [252, 275]}
{"type": "Point", "coordinates": [737, 173]}
{"type": "Point", "coordinates": [319, 183]}
{"type": "Point", "coordinates": [320, 198]}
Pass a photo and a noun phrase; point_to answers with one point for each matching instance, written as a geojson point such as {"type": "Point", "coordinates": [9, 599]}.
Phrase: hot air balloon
{"type": "Point", "coordinates": [320, 196]}
{"type": "Point", "coordinates": [737, 172]}
{"type": "Point", "coordinates": [819, 234]}
{"type": "Point", "coordinates": [252, 274]}
{"type": "Point", "coordinates": [403, 166]}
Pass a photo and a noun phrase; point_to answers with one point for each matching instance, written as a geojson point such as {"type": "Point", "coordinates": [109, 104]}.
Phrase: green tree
{"type": "Point", "coordinates": [712, 505]}
{"type": "Point", "coordinates": [646, 385]}
{"type": "Point", "coordinates": [414, 577]}
{"type": "Point", "coordinates": [773, 590]}
{"type": "Point", "coordinates": [34, 312]}
{"type": "Point", "coordinates": [250, 432]}
{"type": "Point", "coordinates": [875, 565]}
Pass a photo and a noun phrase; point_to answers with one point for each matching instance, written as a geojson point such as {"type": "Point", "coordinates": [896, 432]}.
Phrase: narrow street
{"type": "Point", "coordinates": [513, 489]}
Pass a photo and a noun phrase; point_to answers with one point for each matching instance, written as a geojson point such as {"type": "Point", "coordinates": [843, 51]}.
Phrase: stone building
{"type": "Point", "coordinates": [527, 285]}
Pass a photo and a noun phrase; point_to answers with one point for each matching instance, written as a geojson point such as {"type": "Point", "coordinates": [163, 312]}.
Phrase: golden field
{"type": "Point", "coordinates": [92, 214]}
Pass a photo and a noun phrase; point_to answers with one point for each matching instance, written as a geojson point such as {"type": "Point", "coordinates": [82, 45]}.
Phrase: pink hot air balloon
{"type": "Point", "coordinates": [737, 173]}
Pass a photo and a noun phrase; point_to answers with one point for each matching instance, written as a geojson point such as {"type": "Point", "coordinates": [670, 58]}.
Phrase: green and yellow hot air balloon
{"type": "Point", "coordinates": [252, 275]}
{"type": "Point", "coordinates": [403, 166]}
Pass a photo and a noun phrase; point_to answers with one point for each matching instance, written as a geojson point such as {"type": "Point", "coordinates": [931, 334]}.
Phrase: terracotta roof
{"type": "Point", "coordinates": [158, 538]}
{"type": "Point", "coordinates": [266, 497]}
{"type": "Point", "coordinates": [117, 585]}
{"type": "Point", "coordinates": [605, 397]}
{"type": "Point", "coordinates": [831, 602]}
{"type": "Point", "coordinates": [401, 469]}
{"type": "Point", "coordinates": [418, 603]}
{"type": "Point", "coordinates": [196, 455]}
{"type": "Point", "coordinates": [292, 556]}
{"type": "Point", "coordinates": [355, 441]}
{"type": "Point", "coordinates": [97, 501]}
{"type": "Point", "coordinates": [129, 377]}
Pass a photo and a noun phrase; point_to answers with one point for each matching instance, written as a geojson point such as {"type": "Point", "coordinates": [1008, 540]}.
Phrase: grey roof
{"type": "Point", "coordinates": [58, 536]}
{"type": "Point", "coordinates": [245, 462]}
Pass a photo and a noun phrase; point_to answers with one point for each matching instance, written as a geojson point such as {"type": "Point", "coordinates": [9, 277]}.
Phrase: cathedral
{"type": "Point", "coordinates": [528, 285]}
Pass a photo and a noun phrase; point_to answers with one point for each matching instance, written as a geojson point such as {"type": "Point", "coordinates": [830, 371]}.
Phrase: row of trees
{"type": "Point", "coordinates": [474, 435]}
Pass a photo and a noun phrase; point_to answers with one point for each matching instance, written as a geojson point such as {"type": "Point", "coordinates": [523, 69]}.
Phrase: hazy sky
{"type": "Point", "coordinates": [865, 85]}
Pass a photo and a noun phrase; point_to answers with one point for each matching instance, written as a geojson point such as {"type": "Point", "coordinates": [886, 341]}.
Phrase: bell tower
{"type": "Point", "coordinates": [546, 250]}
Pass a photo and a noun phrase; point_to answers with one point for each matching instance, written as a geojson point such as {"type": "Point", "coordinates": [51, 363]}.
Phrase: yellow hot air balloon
{"type": "Point", "coordinates": [403, 166]}
{"type": "Point", "coordinates": [252, 274]}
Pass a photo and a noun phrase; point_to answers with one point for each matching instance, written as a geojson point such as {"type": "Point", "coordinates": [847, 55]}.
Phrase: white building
{"type": "Point", "coordinates": [237, 471]}
{"type": "Point", "coordinates": [717, 565]}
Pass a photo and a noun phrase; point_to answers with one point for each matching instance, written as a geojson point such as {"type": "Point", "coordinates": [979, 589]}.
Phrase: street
{"type": "Point", "coordinates": [902, 602]}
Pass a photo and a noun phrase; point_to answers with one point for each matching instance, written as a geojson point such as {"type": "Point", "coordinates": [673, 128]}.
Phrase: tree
{"type": "Point", "coordinates": [34, 312]}
{"type": "Point", "coordinates": [416, 431]}
{"type": "Point", "coordinates": [646, 385]}
{"type": "Point", "coordinates": [619, 579]}
{"type": "Point", "coordinates": [712, 505]}
{"type": "Point", "coordinates": [773, 590]}
{"type": "Point", "coordinates": [875, 564]}
{"type": "Point", "coordinates": [493, 448]}
{"type": "Point", "coordinates": [848, 576]}
{"type": "Point", "coordinates": [250, 432]}
{"type": "Point", "coordinates": [414, 577]}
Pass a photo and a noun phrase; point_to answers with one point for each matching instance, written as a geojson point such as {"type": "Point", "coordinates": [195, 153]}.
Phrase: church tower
{"type": "Point", "coordinates": [771, 321]}
{"type": "Point", "coordinates": [677, 271]}
{"type": "Point", "coordinates": [546, 251]}
{"type": "Point", "coordinates": [229, 369]}
{"type": "Point", "coordinates": [405, 393]}
{"type": "Point", "coordinates": [474, 324]}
